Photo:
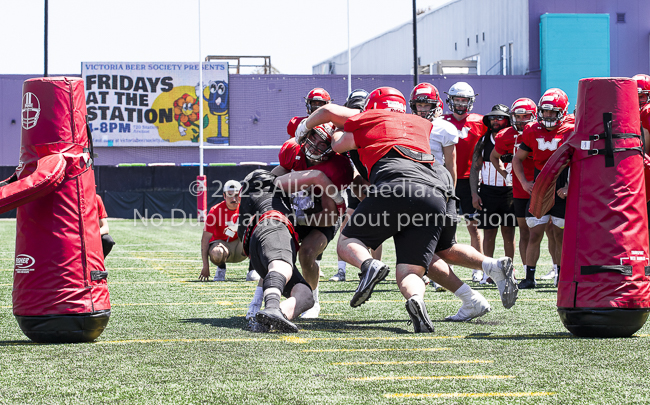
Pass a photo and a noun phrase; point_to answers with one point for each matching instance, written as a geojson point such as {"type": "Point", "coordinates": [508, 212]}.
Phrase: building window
{"type": "Point", "coordinates": [477, 38]}
{"type": "Point", "coordinates": [620, 18]}
{"type": "Point", "coordinates": [503, 60]}
{"type": "Point", "coordinates": [511, 48]}
{"type": "Point", "coordinates": [455, 46]}
{"type": "Point", "coordinates": [467, 41]}
{"type": "Point", "coordinates": [484, 37]}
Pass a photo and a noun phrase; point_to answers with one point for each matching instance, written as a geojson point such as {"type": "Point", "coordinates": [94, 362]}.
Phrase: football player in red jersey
{"type": "Point", "coordinates": [219, 243]}
{"type": "Point", "coordinates": [314, 152]}
{"type": "Point", "coordinates": [315, 99]}
{"type": "Point", "coordinates": [494, 198]}
{"type": "Point", "coordinates": [460, 100]}
{"type": "Point", "coordinates": [425, 102]}
{"type": "Point", "coordinates": [355, 100]}
{"type": "Point", "coordinates": [107, 240]}
{"type": "Point", "coordinates": [268, 236]}
{"type": "Point", "coordinates": [394, 148]}
{"type": "Point", "coordinates": [643, 85]}
{"type": "Point", "coordinates": [542, 139]}
{"type": "Point", "coordinates": [506, 143]}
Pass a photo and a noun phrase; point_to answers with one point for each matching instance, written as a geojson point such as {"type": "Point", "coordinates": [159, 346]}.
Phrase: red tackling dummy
{"type": "Point", "coordinates": [604, 284]}
{"type": "Point", "coordinates": [60, 292]}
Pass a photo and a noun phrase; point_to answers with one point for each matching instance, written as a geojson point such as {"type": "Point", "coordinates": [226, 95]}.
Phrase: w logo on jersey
{"type": "Point", "coordinates": [548, 145]}
{"type": "Point", "coordinates": [463, 133]}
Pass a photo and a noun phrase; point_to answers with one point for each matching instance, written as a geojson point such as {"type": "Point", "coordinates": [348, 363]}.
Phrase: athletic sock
{"type": "Point", "coordinates": [342, 264]}
{"type": "Point", "coordinates": [315, 293]}
{"type": "Point", "coordinates": [555, 267]}
{"type": "Point", "coordinates": [488, 263]}
{"type": "Point", "coordinates": [271, 299]}
{"type": "Point", "coordinates": [274, 283]}
{"type": "Point", "coordinates": [464, 293]}
{"type": "Point", "coordinates": [530, 273]}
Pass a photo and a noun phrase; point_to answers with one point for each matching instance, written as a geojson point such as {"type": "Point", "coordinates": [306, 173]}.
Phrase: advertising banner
{"type": "Point", "coordinates": [156, 103]}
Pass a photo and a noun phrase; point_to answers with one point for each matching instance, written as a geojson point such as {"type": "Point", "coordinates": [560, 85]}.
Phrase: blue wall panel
{"type": "Point", "coordinates": [572, 47]}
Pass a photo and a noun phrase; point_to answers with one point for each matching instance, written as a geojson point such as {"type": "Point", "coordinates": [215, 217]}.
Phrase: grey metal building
{"type": "Point", "coordinates": [502, 36]}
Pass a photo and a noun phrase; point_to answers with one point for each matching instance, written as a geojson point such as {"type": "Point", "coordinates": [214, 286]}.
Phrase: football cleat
{"type": "Point", "coordinates": [312, 313]}
{"type": "Point", "coordinates": [252, 276]}
{"type": "Point", "coordinates": [256, 327]}
{"type": "Point", "coordinates": [339, 276]}
{"type": "Point", "coordinates": [476, 306]}
{"type": "Point", "coordinates": [486, 279]}
{"type": "Point", "coordinates": [253, 309]}
{"type": "Point", "coordinates": [502, 274]}
{"type": "Point", "coordinates": [426, 280]}
{"type": "Point", "coordinates": [275, 318]}
{"type": "Point", "coordinates": [477, 276]}
{"type": "Point", "coordinates": [220, 274]}
{"type": "Point", "coordinates": [527, 284]}
{"type": "Point", "coordinates": [437, 287]}
{"type": "Point", "coordinates": [419, 316]}
{"type": "Point", "coordinates": [550, 275]}
{"type": "Point", "coordinates": [372, 272]}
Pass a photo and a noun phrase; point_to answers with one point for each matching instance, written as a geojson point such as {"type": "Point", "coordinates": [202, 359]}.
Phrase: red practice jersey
{"type": "Point", "coordinates": [507, 141]}
{"type": "Point", "coordinates": [219, 219]}
{"type": "Point", "coordinates": [293, 125]}
{"type": "Point", "coordinates": [470, 131]}
{"type": "Point", "coordinates": [645, 117]}
{"type": "Point", "coordinates": [542, 142]}
{"type": "Point", "coordinates": [337, 167]}
{"type": "Point", "coordinates": [376, 132]}
{"type": "Point", "coordinates": [101, 210]}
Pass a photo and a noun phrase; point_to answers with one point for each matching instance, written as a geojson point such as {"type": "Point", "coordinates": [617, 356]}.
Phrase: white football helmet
{"type": "Point", "coordinates": [464, 90]}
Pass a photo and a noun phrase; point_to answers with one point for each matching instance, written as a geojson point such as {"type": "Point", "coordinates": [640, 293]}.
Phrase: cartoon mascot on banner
{"type": "Point", "coordinates": [604, 284]}
{"type": "Point", "coordinates": [60, 292]}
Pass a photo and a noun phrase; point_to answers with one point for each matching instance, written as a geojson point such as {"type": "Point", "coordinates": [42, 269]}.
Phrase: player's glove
{"type": "Point", "coordinates": [302, 131]}
{"type": "Point", "coordinates": [301, 218]}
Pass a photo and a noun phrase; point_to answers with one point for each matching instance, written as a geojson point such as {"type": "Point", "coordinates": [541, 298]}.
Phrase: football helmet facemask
{"type": "Point", "coordinates": [426, 93]}
{"type": "Point", "coordinates": [317, 145]}
{"type": "Point", "coordinates": [552, 100]}
{"type": "Point", "coordinates": [525, 107]}
{"type": "Point", "coordinates": [460, 98]}
{"type": "Point", "coordinates": [320, 96]}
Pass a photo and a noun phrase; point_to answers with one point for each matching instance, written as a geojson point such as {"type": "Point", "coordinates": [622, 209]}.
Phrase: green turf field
{"type": "Point", "coordinates": [174, 340]}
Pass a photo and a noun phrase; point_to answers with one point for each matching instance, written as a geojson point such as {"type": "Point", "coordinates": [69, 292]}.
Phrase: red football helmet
{"type": "Point", "coordinates": [386, 98]}
{"type": "Point", "coordinates": [317, 145]}
{"type": "Point", "coordinates": [319, 95]}
{"type": "Point", "coordinates": [552, 100]}
{"type": "Point", "coordinates": [426, 93]}
{"type": "Point", "coordinates": [522, 106]}
{"type": "Point", "coordinates": [643, 85]}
